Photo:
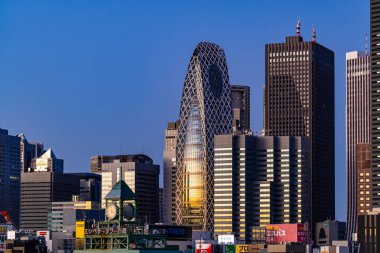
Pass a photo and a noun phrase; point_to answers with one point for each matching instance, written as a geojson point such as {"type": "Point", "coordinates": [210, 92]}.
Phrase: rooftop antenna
{"type": "Point", "coordinates": [299, 27]}
{"type": "Point", "coordinates": [366, 44]}
{"type": "Point", "coordinates": [314, 36]}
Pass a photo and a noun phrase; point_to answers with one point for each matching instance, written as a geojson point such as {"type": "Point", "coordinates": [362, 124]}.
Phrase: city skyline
{"type": "Point", "coordinates": [87, 101]}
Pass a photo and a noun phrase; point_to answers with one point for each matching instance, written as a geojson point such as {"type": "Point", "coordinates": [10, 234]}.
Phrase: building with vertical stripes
{"type": "Point", "coordinates": [358, 123]}
{"type": "Point", "coordinates": [171, 134]}
{"type": "Point", "coordinates": [260, 180]}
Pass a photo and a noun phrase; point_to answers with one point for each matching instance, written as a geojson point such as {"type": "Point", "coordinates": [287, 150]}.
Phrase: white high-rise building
{"type": "Point", "coordinates": [358, 124]}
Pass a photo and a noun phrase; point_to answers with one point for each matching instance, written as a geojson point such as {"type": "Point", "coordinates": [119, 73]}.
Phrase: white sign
{"type": "Point", "coordinates": [11, 234]}
{"type": "Point", "coordinates": [46, 234]}
{"type": "Point", "coordinates": [354, 237]}
{"type": "Point", "coordinates": [226, 239]}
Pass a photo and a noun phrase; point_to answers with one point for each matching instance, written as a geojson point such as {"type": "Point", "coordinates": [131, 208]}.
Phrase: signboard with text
{"type": "Point", "coordinates": [203, 248]}
{"type": "Point", "coordinates": [284, 233]}
{"type": "Point", "coordinates": [241, 248]}
{"type": "Point", "coordinates": [226, 239]}
{"type": "Point", "coordinates": [229, 249]}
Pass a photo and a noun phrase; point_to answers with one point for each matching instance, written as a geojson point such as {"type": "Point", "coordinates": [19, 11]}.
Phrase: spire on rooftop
{"type": "Point", "coordinates": [314, 36]}
{"type": "Point", "coordinates": [299, 27]}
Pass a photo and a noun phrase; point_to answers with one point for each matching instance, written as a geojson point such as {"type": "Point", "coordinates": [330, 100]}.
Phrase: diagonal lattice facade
{"type": "Point", "coordinates": [205, 112]}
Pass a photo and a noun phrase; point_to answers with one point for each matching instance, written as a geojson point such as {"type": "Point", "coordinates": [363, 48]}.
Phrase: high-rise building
{"type": "Point", "coordinates": [38, 190]}
{"type": "Point", "coordinates": [139, 173]}
{"type": "Point", "coordinates": [171, 134]}
{"type": "Point", "coordinates": [358, 123]}
{"type": "Point", "coordinates": [260, 180]}
{"type": "Point", "coordinates": [363, 186]}
{"type": "Point", "coordinates": [47, 162]}
{"type": "Point", "coordinates": [10, 169]}
{"type": "Point", "coordinates": [29, 151]}
{"type": "Point", "coordinates": [240, 103]}
{"type": "Point", "coordinates": [161, 204]}
{"type": "Point", "coordinates": [299, 101]}
{"type": "Point", "coordinates": [205, 111]}
{"type": "Point", "coordinates": [63, 215]}
{"type": "Point", "coordinates": [375, 100]}
{"type": "Point", "coordinates": [90, 186]}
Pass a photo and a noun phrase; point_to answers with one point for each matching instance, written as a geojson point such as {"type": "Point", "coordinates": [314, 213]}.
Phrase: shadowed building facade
{"type": "Point", "coordinates": [375, 100]}
{"type": "Point", "coordinates": [241, 111]}
{"type": "Point", "coordinates": [171, 134]}
{"type": "Point", "coordinates": [205, 111]}
{"type": "Point", "coordinates": [299, 101]}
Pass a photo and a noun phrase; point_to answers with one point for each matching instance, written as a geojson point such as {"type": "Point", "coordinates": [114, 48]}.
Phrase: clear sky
{"type": "Point", "coordinates": [104, 77]}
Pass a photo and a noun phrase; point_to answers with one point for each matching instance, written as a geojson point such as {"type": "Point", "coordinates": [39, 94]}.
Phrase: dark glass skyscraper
{"type": "Point", "coordinates": [10, 169]}
{"type": "Point", "coordinates": [205, 112]}
{"type": "Point", "coordinates": [375, 100]}
{"type": "Point", "coordinates": [241, 111]}
{"type": "Point", "coordinates": [299, 101]}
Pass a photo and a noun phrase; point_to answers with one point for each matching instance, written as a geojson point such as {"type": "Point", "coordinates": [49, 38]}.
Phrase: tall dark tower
{"type": "Point", "coordinates": [299, 101]}
{"type": "Point", "coordinates": [375, 99]}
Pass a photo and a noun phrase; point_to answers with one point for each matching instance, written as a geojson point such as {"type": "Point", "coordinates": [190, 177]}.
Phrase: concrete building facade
{"type": "Point", "coordinates": [38, 190]}
{"type": "Point", "coordinates": [358, 123]}
{"type": "Point", "coordinates": [171, 137]}
{"type": "Point", "coordinates": [260, 180]}
{"type": "Point", "coordinates": [140, 174]}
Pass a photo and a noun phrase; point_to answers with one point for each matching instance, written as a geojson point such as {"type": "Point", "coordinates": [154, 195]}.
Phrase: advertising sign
{"type": "Point", "coordinates": [46, 234]}
{"type": "Point", "coordinates": [172, 232]}
{"type": "Point", "coordinates": [229, 249]}
{"type": "Point", "coordinates": [11, 235]}
{"type": "Point", "coordinates": [284, 233]}
{"type": "Point", "coordinates": [325, 249]}
{"type": "Point", "coordinates": [79, 229]}
{"type": "Point", "coordinates": [203, 248]}
{"type": "Point", "coordinates": [242, 248]}
{"type": "Point", "coordinates": [226, 239]}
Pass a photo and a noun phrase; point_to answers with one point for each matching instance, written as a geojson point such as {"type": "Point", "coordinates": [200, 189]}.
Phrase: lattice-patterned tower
{"type": "Point", "coordinates": [205, 112]}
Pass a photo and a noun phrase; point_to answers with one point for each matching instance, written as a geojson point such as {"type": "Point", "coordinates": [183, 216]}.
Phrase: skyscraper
{"type": "Point", "coordinates": [260, 180]}
{"type": "Point", "coordinates": [140, 174]}
{"type": "Point", "coordinates": [29, 151]}
{"type": "Point", "coordinates": [299, 101]}
{"type": "Point", "coordinates": [38, 190]}
{"type": "Point", "coordinates": [241, 111]}
{"type": "Point", "coordinates": [205, 112]}
{"type": "Point", "coordinates": [375, 100]}
{"type": "Point", "coordinates": [10, 169]}
{"type": "Point", "coordinates": [171, 136]}
{"type": "Point", "coordinates": [47, 162]}
{"type": "Point", "coordinates": [358, 116]}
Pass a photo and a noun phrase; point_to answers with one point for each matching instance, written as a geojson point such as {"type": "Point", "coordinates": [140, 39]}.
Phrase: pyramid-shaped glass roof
{"type": "Point", "coordinates": [121, 191]}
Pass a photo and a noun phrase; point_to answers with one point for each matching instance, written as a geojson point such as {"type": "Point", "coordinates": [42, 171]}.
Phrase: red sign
{"type": "Point", "coordinates": [203, 248]}
{"type": "Point", "coordinates": [284, 233]}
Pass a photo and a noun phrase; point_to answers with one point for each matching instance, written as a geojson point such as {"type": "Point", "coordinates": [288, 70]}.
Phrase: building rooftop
{"type": "Point", "coordinates": [121, 191]}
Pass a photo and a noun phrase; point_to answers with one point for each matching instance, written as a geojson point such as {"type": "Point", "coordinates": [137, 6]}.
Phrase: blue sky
{"type": "Point", "coordinates": [105, 77]}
